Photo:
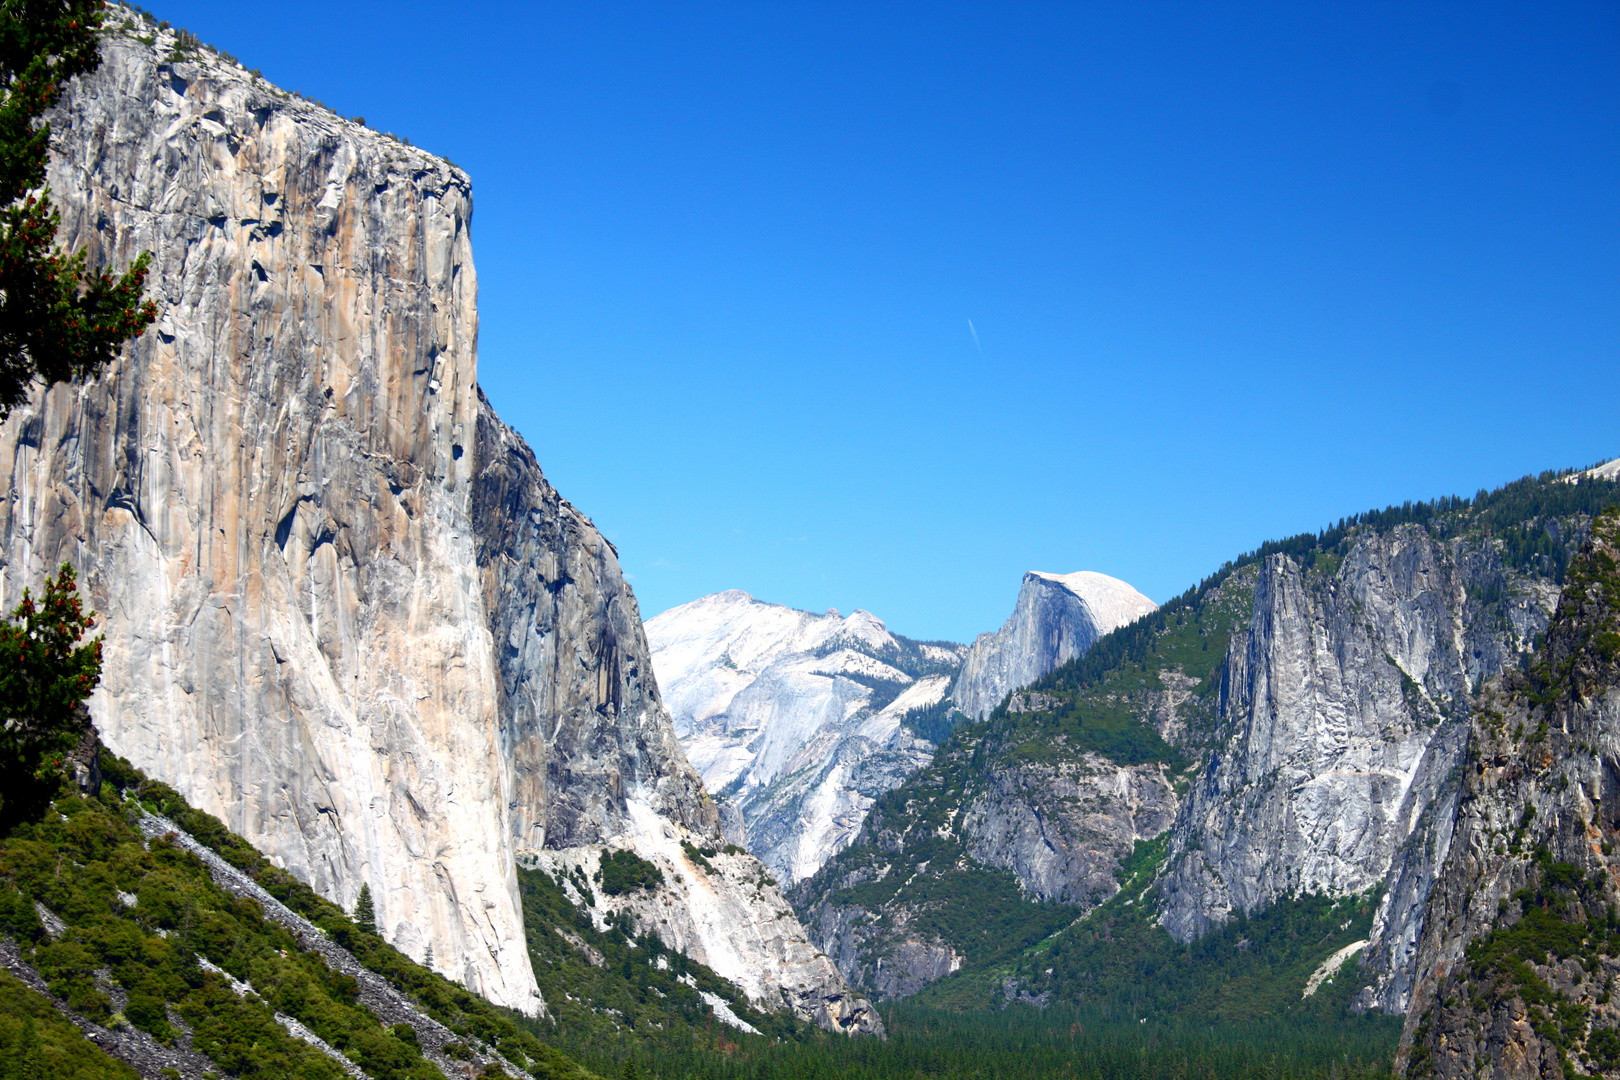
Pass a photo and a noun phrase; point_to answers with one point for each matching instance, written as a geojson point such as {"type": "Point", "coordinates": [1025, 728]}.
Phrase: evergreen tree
{"type": "Point", "coordinates": [365, 915]}
{"type": "Point", "coordinates": [59, 319]}
{"type": "Point", "coordinates": [24, 1063]}
{"type": "Point", "coordinates": [45, 676]}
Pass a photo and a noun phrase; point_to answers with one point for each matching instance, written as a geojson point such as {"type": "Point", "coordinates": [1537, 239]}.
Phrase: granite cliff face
{"type": "Point", "coordinates": [1056, 618]}
{"type": "Point", "coordinates": [722, 909]}
{"type": "Point", "coordinates": [1345, 703]}
{"type": "Point", "coordinates": [797, 721]}
{"type": "Point", "coordinates": [1062, 827]}
{"type": "Point", "coordinates": [344, 611]}
{"type": "Point", "coordinates": [1519, 954]}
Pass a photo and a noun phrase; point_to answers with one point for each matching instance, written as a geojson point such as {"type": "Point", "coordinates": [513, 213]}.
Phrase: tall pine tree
{"type": "Point", "coordinates": [60, 319]}
{"type": "Point", "coordinates": [365, 915]}
{"type": "Point", "coordinates": [46, 673]}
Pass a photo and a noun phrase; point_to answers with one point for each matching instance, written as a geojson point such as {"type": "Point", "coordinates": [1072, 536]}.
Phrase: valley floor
{"type": "Point", "coordinates": [1023, 1042]}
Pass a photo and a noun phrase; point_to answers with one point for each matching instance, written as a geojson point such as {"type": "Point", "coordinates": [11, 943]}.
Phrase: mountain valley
{"type": "Point", "coordinates": [389, 779]}
{"type": "Point", "coordinates": [345, 612]}
{"type": "Point", "coordinates": [798, 722]}
{"type": "Point", "coordinates": [1241, 720]}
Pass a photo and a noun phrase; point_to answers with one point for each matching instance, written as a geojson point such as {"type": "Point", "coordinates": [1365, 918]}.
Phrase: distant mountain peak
{"type": "Point", "coordinates": [1114, 603]}
{"type": "Point", "coordinates": [797, 720]}
{"type": "Point", "coordinates": [1056, 618]}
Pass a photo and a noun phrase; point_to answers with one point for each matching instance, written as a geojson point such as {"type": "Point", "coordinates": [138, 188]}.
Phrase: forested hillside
{"type": "Point", "coordinates": [173, 944]}
{"type": "Point", "coordinates": [139, 944]}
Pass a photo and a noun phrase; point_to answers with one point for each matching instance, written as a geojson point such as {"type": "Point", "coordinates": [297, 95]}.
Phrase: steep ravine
{"type": "Point", "coordinates": [344, 610]}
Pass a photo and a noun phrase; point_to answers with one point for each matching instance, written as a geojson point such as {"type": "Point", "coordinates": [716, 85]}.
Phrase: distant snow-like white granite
{"type": "Point", "coordinates": [794, 718]}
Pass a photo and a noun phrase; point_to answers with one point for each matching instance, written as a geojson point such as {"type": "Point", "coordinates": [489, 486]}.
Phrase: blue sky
{"type": "Point", "coordinates": [1232, 273]}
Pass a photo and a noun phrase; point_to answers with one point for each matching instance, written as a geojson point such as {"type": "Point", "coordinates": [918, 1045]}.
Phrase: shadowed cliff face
{"type": "Point", "coordinates": [582, 722]}
{"type": "Point", "coordinates": [344, 610]}
{"type": "Point", "coordinates": [594, 759]}
{"type": "Point", "coordinates": [1520, 950]}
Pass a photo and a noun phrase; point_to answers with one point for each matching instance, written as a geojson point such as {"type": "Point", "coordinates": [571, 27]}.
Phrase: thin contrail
{"type": "Point", "coordinates": [975, 334]}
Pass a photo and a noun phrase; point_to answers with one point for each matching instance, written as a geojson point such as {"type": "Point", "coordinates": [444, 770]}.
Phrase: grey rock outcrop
{"type": "Point", "coordinates": [1063, 828]}
{"type": "Point", "coordinates": [1345, 705]}
{"type": "Point", "coordinates": [891, 961]}
{"type": "Point", "coordinates": [1059, 828]}
{"type": "Point", "coordinates": [583, 727]}
{"type": "Point", "coordinates": [1056, 618]}
{"type": "Point", "coordinates": [1537, 818]}
{"type": "Point", "coordinates": [797, 721]}
{"type": "Point", "coordinates": [726, 912]}
{"type": "Point", "coordinates": [344, 610]}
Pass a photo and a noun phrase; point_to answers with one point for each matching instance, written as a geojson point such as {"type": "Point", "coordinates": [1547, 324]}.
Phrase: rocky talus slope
{"type": "Point", "coordinates": [1294, 726]}
{"type": "Point", "coordinates": [344, 610]}
{"type": "Point", "coordinates": [798, 721]}
{"type": "Point", "coordinates": [1519, 957]}
{"type": "Point", "coordinates": [1056, 618]}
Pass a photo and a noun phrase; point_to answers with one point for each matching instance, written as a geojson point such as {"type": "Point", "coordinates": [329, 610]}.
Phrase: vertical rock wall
{"type": "Point", "coordinates": [1532, 862]}
{"type": "Point", "coordinates": [1346, 712]}
{"type": "Point", "coordinates": [1056, 618]}
{"type": "Point", "coordinates": [582, 723]}
{"type": "Point", "coordinates": [269, 496]}
{"type": "Point", "coordinates": [1062, 828]}
{"type": "Point", "coordinates": [344, 610]}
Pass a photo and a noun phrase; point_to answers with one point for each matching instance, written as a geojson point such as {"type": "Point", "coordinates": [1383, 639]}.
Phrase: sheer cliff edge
{"type": "Point", "coordinates": [344, 610]}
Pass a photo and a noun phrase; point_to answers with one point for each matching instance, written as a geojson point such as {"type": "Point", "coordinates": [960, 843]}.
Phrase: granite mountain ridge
{"type": "Point", "coordinates": [1310, 699]}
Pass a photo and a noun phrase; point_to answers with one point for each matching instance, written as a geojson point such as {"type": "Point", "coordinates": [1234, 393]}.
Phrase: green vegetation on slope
{"type": "Point", "coordinates": [1520, 969]}
{"type": "Point", "coordinates": [1588, 649]}
{"type": "Point", "coordinates": [980, 911]}
{"type": "Point", "coordinates": [604, 986]}
{"type": "Point", "coordinates": [38, 1043]}
{"type": "Point", "coordinates": [624, 871]}
{"type": "Point", "coordinates": [933, 722]}
{"type": "Point", "coordinates": [622, 1012]}
{"type": "Point", "coordinates": [151, 916]}
{"type": "Point", "coordinates": [1107, 707]}
{"type": "Point", "coordinates": [1118, 964]}
{"type": "Point", "coordinates": [1552, 923]}
{"type": "Point", "coordinates": [86, 861]}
